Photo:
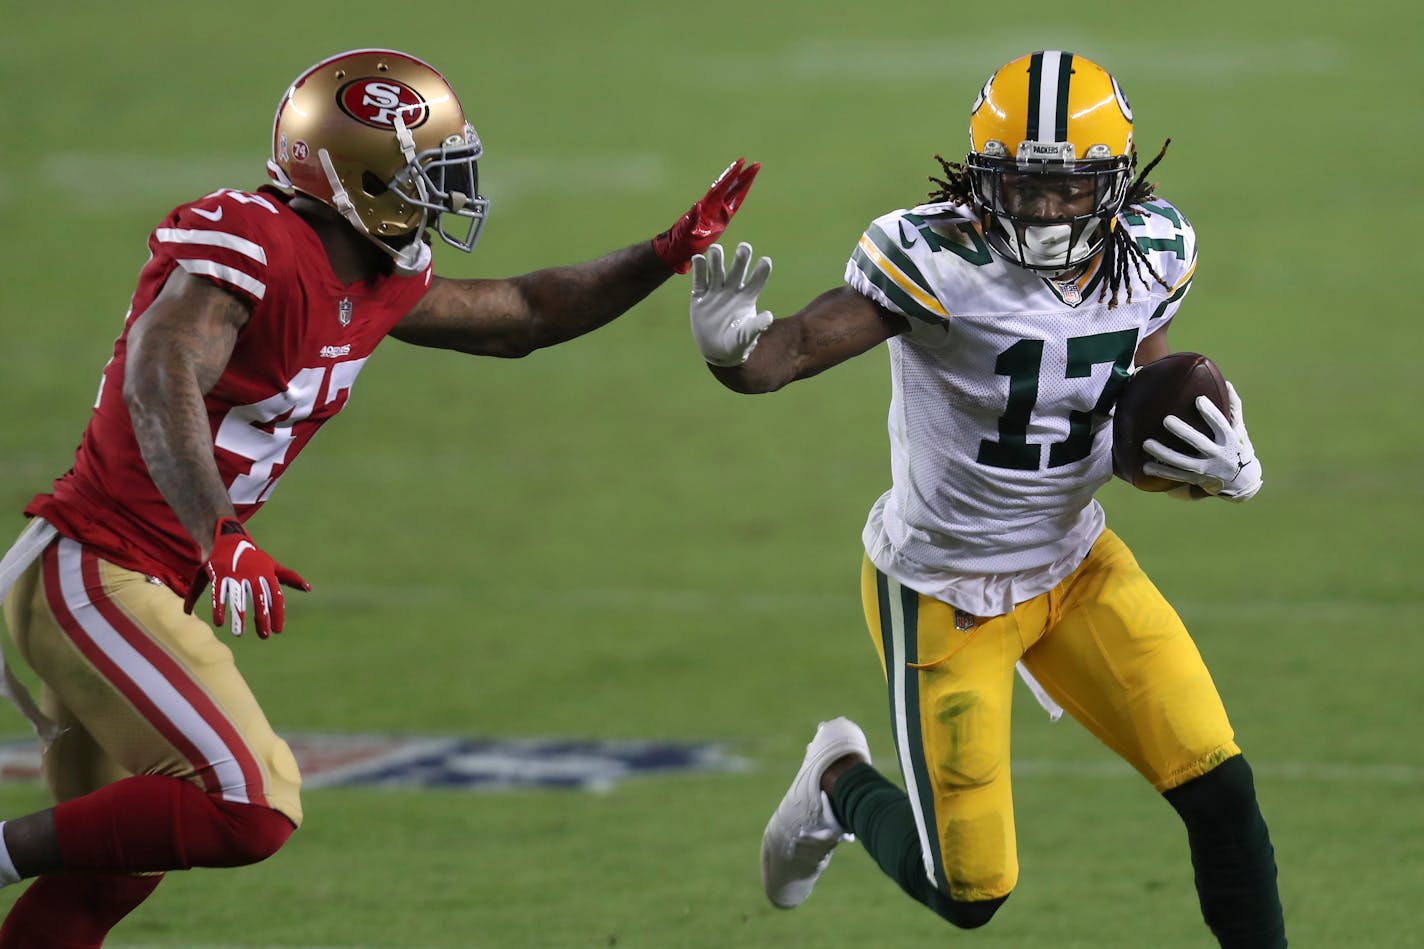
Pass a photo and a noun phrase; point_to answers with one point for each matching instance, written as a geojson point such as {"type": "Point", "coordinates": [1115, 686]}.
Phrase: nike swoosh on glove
{"type": "Point", "coordinates": [241, 573]}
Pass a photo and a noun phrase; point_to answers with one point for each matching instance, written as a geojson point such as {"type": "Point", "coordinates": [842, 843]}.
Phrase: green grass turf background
{"type": "Point", "coordinates": [600, 541]}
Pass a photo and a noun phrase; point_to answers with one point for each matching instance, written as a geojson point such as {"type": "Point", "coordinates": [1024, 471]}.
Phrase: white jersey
{"type": "Point", "coordinates": [1002, 400]}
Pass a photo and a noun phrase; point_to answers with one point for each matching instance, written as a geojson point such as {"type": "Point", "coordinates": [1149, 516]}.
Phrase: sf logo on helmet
{"type": "Point", "coordinates": [377, 102]}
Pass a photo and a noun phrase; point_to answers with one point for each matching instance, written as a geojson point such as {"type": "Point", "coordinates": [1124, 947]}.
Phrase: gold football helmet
{"type": "Point", "coordinates": [380, 136]}
{"type": "Point", "coordinates": [1051, 158]}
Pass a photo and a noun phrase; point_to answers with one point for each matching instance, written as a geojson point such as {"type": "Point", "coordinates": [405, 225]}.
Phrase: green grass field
{"type": "Point", "coordinates": [600, 541]}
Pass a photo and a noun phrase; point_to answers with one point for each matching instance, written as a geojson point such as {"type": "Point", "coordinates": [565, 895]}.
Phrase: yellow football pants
{"type": "Point", "coordinates": [1104, 644]}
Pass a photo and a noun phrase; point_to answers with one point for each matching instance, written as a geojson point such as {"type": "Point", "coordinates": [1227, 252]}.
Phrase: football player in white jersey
{"type": "Point", "coordinates": [1014, 305]}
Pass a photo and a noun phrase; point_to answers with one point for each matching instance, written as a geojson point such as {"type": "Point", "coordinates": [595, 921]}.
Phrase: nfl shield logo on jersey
{"type": "Point", "coordinates": [1070, 293]}
{"type": "Point", "coordinates": [343, 311]}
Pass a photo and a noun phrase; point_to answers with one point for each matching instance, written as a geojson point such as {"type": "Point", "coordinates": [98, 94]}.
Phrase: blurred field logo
{"type": "Point", "coordinates": [472, 764]}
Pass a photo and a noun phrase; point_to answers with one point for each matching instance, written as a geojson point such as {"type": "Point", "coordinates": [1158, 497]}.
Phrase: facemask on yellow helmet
{"type": "Point", "coordinates": [1050, 161]}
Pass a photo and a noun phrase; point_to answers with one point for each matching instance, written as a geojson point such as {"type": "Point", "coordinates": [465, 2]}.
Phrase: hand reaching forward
{"type": "Point", "coordinates": [725, 320]}
{"type": "Point", "coordinates": [240, 573]}
{"type": "Point", "coordinates": [1225, 464]}
{"type": "Point", "coordinates": [707, 219]}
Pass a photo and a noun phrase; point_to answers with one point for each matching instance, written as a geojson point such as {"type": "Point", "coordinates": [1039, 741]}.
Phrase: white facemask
{"type": "Point", "coordinates": [1046, 245]}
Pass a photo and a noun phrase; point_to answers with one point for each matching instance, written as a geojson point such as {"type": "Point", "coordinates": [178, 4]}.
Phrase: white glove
{"type": "Point", "coordinates": [725, 321]}
{"type": "Point", "coordinates": [1225, 465]}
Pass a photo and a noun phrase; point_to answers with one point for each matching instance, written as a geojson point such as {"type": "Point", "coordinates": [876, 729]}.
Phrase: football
{"type": "Point", "coordinates": [1166, 386]}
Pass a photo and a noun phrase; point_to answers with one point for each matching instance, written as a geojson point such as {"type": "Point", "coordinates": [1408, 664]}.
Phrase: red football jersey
{"type": "Point", "coordinates": [292, 369]}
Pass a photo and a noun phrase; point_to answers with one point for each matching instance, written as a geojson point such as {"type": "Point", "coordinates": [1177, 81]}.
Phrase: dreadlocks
{"type": "Point", "coordinates": [1121, 252]}
{"type": "Point", "coordinates": [954, 186]}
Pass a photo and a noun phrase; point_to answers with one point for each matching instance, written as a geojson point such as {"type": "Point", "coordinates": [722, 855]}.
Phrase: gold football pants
{"type": "Point", "coordinates": [139, 686]}
{"type": "Point", "coordinates": [1104, 644]}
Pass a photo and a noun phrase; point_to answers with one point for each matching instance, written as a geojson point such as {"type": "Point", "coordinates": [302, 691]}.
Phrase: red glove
{"type": "Point", "coordinates": [700, 227]}
{"type": "Point", "coordinates": [240, 572]}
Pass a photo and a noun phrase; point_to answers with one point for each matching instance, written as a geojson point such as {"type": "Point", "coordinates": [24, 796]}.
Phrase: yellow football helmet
{"type": "Point", "coordinates": [1051, 159]}
{"type": "Point", "coordinates": [380, 136]}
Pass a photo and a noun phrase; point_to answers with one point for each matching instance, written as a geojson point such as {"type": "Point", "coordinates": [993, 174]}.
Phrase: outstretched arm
{"type": "Point", "coordinates": [750, 352]}
{"type": "Point", "coordinates": [516, 316]}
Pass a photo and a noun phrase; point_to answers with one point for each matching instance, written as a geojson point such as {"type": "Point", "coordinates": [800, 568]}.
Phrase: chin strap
{"type": "Point", "coordinates": [415, 257]}
{"type": "Point", "coordinates": [339, 198]}
{"type": "Point", "coordinates": [407, 147]}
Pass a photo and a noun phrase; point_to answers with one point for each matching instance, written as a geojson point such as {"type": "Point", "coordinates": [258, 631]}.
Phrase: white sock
{"type": "Point", "coordinates": [8, 873]}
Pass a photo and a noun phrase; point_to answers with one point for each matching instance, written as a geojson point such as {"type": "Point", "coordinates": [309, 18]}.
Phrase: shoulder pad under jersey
{"type": "Point", "coordinates": [230, 237]}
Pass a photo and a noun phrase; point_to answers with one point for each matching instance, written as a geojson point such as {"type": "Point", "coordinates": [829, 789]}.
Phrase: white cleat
{"type": "Point", "coordinates": [802, 832]}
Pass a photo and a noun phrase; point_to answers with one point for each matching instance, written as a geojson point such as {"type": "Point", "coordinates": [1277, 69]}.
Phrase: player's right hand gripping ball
{"type": "Point", "coordinates": [705, 221]}
{"type": "Point", "coordinates": [1166, 386]}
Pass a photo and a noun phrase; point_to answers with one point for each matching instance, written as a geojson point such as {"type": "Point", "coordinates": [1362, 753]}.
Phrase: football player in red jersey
{"type": "Point", "coordinates": [252, 318]}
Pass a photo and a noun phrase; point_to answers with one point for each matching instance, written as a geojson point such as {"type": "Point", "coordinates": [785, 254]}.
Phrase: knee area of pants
{"type": "Point", "coordinates": [970, 914]}
{"type": "Point", "coordinates": [971, 756]}
{"type": "Point", "coordinates": [1224, 792]}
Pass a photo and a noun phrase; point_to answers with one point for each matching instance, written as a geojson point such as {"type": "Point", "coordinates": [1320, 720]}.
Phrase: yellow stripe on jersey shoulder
{"type": "Point", "coordinates": [1186, 276]}
{"type": "Point", "coordinates": [903, 281]}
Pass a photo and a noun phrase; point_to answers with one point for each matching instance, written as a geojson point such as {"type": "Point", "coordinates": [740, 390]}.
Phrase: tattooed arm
{"type": "Point", "coordinates": [838, 325]}
{"type": "Point", "coordinates": [516, 316]}
{"type": "Point", "coordinates": [177, 349]}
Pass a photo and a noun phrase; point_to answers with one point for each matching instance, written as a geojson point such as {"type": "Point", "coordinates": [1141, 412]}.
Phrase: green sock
{"type": "Point", "coordinates": [1232, 856]}
{"type": "Point", "coordinates": [879, 815]}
